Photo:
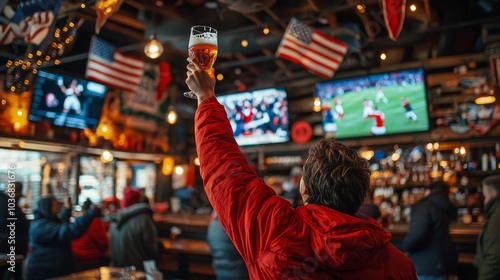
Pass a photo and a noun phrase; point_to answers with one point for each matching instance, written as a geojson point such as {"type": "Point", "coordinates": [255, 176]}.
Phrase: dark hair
{"type": "Point", "coordinates": [492, 182]}
{"type": "Point", "coordinates": [439, 187]}
{"type": "Point", "coordinates": [336, 176]}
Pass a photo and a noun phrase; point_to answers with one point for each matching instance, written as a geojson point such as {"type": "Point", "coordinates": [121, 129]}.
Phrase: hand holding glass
{"type": "Point", "coordinates": [203, 47]}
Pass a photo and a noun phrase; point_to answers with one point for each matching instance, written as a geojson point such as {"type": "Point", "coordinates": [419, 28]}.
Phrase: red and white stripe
{"type": "Point", "coordinates": [34, 29]}
{"type": "Point", "coordinates": [322, 56]}
{"type": "Point", "coordinates": [125, 72]}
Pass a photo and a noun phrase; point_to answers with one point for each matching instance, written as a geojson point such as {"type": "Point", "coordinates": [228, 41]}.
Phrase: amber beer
{"type": "Point", "coordinates": [203, 47]}
{"type": "Point", "coordinates": [205, 54]}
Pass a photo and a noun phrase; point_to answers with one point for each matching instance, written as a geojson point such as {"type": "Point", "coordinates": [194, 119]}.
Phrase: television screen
{"type": "Point", "coordinates": [66, 101]}
{"type": "Point", "coordinates": [377, 104]}
{"type": "Point", "coordinates": [258, 117]}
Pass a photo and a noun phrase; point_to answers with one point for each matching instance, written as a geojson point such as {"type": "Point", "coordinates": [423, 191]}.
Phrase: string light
{"type": "Point", "coordinates": [413, 7]}
{"type": "Point", "coordinates": [244, 43]}
{"type": "Point", "coordinates": [265, 30]}
{"type": "Point", "coordinates": [60, 38]}
{"type": "Point", "coordinates": [361, 8]}
{"type": "Point", "coordinates": [317, 104]}
{"type": "Point", "coordinates": [220, 77]}
{"type": "Point", "coordinates": [172, 115]}
{"type": "Point", "coordinates": [383, 56]}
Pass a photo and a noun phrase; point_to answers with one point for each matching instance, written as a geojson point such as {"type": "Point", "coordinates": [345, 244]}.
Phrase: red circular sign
{"type": "Point", "coordinates": [301, 132]}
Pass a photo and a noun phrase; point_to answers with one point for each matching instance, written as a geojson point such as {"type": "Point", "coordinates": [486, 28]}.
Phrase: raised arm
{"type": "Point", "coordinates": [246, 206]}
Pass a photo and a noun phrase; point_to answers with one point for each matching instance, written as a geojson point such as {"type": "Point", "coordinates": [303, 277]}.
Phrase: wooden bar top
{"type": "Point", "coordinates": [183, 221]}
{"type": "Point", "coordinates": [104, 273]}
{"type": "Point", "coordinates": [460, 233]}
{"type": "Point", "coordinates": [186, 246]}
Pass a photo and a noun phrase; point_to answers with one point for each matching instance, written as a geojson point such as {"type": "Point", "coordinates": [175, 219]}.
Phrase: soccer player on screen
{"type": "Point", "coordinates": [378, 117]}
{"type": "Point", "coordinates": [339, 109]}
{"type": "Point", "coordinates": [367, 108]}
{"type": "Point", "coordinates": [410, 115]}
{"type": "Point", "coordinates": [329, 124]}
{"type": "Point", "coordinates": [380, 96]}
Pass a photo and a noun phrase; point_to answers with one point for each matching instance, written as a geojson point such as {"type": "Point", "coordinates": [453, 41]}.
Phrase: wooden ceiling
{"type": "Point", "coordinates": [437, 28]}
{"type": "Point", "coordinates": [430, 31]}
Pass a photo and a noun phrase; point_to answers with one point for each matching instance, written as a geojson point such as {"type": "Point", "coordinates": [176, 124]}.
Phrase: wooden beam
{"type": "Point", "coordinates": [112, 26]}
{"type": "Point", "coordinates": [364, 20]}
{"type": "Point", "coordinates": [278, 62]}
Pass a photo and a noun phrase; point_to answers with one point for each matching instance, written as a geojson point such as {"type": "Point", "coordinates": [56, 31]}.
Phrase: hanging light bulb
{"type": "Point", "coordinates": [106, 156]}
{"type": "Point", "coordinates": [154, 48]}
{"type": "Point", "coordinates": [317, 104]}
{"type": "Point", "coordinates": [172, 115]}
{"type": "Point", "coordinates": [383, 56]}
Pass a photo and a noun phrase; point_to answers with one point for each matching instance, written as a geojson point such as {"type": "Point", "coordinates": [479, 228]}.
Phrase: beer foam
{"type": "Point", "coordinates": [203, 38]}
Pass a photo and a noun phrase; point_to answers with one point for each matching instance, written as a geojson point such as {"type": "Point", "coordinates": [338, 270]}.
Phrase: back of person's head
{"type": "Point", "coordinates": [45, 205]}
{"type": "Point", "coordinates": [86, 205]}
{"type": "Point", "coordinates": [439, 187]}
{"type": "Point", "coordinates": [336, 176]}
{"type": "Point", "coordinates": [492, 182]}
{"type": "Point", "coordinates": [130, 197]}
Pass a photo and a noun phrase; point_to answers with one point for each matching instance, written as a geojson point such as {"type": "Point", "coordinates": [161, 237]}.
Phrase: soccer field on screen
{"type": "Point", "coordinates": [354, 125]}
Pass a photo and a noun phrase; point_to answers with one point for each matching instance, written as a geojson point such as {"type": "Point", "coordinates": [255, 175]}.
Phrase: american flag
{"type": "Point", "coordinates": [110, 67]}
{"type": "Point", "coordinates": [312, 49]}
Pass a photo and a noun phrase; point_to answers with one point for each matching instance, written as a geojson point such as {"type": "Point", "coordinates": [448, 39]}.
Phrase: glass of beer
{"type": "Point", "coordinates": [203, 47]}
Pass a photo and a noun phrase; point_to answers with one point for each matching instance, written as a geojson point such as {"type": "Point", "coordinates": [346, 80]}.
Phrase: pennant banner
{"type": "Point", "coordinates": [394, 16]}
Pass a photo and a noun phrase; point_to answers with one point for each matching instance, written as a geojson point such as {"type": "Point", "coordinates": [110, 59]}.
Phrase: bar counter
{"type": "Point", "coordinates": [461, 233]}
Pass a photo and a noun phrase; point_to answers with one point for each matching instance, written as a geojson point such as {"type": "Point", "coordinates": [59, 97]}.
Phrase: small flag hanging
{"type": "Point", "coordinates": [394, 16]}
{"type": "Point", "coordinates": [312, 49]}
{"type": "Point", "coordinates": [113, 68]}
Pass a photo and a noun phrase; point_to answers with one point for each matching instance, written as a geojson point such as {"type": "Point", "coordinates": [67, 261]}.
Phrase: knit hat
{"type": "Point", "coordinates": [45, 205]}
{"type": "Point", "coordinates": [130, 197]}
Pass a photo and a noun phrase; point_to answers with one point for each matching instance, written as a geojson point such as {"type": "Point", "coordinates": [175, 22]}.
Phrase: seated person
{"type": "Point", "coordinates": [50, 238]}
{"type": "Point", "coordinates": [22, 228]}
{"type": "Point", "coordinates": [91, 250]}
{"type": "Point", "coordinates": [369, 209]}
{"type": "Point", "coordinates": [227, 262]}
{"type": "Point", "coordinates": [133, 236]}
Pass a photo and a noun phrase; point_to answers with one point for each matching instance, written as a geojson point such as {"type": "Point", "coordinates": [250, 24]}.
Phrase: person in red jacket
{"type": "Point", "coordinates": [322, 239]}
{"type": "Point", "coordinates": [92, 249]}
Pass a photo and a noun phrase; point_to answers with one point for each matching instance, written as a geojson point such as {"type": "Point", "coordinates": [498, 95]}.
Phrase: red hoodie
{"type": "Point", "coordinates": [93, 245]}
{"type": "Point", "coordinates": [275, 240]}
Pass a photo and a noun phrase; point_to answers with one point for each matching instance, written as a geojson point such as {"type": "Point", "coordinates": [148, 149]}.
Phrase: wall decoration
{"type": "Point", "coordinates": [470, 116]}
{"type": "Point", "coordinates": [104, 9]}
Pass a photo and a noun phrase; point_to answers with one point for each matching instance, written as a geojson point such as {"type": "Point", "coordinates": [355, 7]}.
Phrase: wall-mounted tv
{"type": "Point", "coordinates": [376, 104]}
{"type": "Point", "coordinates": [66, 101]}
{"type": "Point", "coordinates": [258, 117]}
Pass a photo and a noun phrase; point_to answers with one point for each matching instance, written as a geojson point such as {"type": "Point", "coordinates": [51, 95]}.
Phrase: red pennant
{"type": "Point", "coordinates": [165, 78]}
{"type": "Point", "coordinates": [394, 16]}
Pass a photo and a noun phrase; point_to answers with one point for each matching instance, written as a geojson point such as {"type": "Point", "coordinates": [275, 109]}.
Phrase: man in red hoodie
{"type": "Point", "coordinates": [322, 239]}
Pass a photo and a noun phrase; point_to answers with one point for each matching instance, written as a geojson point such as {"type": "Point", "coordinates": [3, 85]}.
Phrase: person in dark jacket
{"type": "Point", "coordinates": [50, 238]}
{"type": "Point", "coordinates": [133, 236]}
{"type": "Point", "coordinates": [19, 240]}
{"type": "Point", "coordinates": [487, 258]}
{"type": "Point", "coordinates": [428, 241]}
{"type": "Point", "coordinates": [227, 262]}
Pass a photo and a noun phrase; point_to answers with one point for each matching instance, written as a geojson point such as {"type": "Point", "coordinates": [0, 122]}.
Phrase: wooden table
{"type": "Point", "coordinates": [186, 246]}
{"type": "Point", "coordinates": [103, 273]}
{"type": "Point", "coordinates": [192, 226]}
{"type": "Point", "coordinates": [186, 256]}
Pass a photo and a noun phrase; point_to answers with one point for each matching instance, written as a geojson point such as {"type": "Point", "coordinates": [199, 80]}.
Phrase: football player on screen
{"type": "Point", "coordinates": [71, 102]}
